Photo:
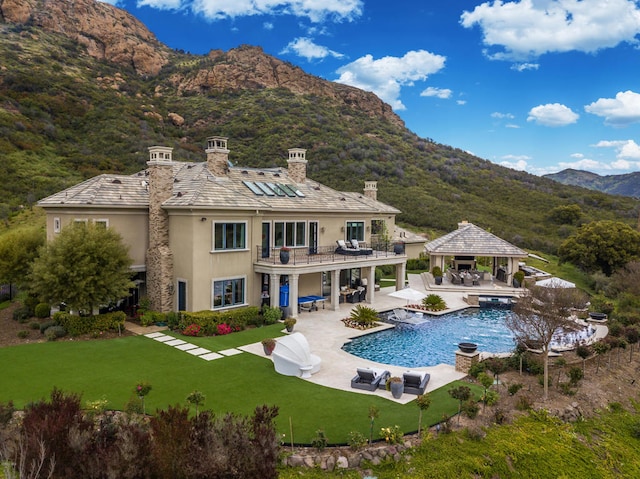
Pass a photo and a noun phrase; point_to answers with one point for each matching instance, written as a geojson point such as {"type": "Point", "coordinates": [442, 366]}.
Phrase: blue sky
{"type": "Point", "coordinates": [535, 85]}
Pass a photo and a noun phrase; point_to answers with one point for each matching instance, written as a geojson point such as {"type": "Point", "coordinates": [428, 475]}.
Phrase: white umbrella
{"type": "Point", "coordinates": [409, 294]}
{"type": "Point", "coordinates": [555, 283]}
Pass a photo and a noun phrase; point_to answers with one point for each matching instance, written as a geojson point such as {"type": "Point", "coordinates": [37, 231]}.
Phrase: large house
{"type": "Point", "coordinates": [210, 235]}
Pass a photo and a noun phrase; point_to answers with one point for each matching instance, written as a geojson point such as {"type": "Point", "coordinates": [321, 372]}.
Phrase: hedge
{"type": "Point", "coordinates": [76, 325]}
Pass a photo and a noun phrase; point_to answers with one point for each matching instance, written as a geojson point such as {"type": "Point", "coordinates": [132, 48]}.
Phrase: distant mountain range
{"type": "Point", "coordinates": [625, 185]}
{"type": "Point", "coordinates": [85, 89]}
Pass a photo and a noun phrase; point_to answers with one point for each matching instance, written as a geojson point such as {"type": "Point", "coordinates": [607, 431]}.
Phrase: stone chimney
{"type": "Point", "coordinates": [463, 223]}
{"type": "Point", "coordinates": [217, 155]}
{"type": "Point", "coordinates": [159, 255]}
{"type": "Point", "coordinates": [297, 164]}
{"type": "Point", "coordinates": [371, 189]}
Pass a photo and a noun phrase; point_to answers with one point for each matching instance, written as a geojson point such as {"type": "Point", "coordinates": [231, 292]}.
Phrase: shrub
{"type": "Point", "coordinates": [34, 325]}
{"type": "Point", "coordinates": [271, 315]}
{"type": "Point", "coordinates": [76, 325]}
{"type": "Point", "coordinates": [357, 440]}
{"type": "Point", "coordinates": [173, 319]}
{"type": "Point", "coordinates": [434, 302]}
{"type": "Point", "coordinates": [147, 318]}
{"type": "Point", "coordinates": [192, 330]}
{"type": "Point", "coordinates": [635, 430]}
{"type": "Point", "coordinates": [237, 319]}
{"type": "Point", "coordinates": [499, 416]}
{"type": "Point", "coordinates": [42, 310]}
{"type": "Point", "coordinates": [223, 329]}
{"type": "Point", "coordinates": [615, 407]}
{"type": "Point", "coordinates": [514, 388]}
{"type": "Point", "coordinates": [133, 406]}
{"type": "Point", "coordinates": [320, 440]}
{"type": "Point", "coordinates": [363, 316]}
{"type": "Point", "coordinates": [436, 271]}
{"type": "Point", "coordinates": [21, 314]}
{"type": "Point", "coordinates": [54, 332]}
{"type": "Point", "coordinates": [471, 408]}
{"type": "Point", "coordinates": [477, 368]}
{"type": "Point", "coordinates": [523, 403]}
{"type": "Point", "coordinates": [23, 334]}
{"type": "Point", "coordinates": [46, 325]}
{"type": "Point", "coordinates": [575, 375]}
{"type": "Point", "coordinates": [417, 264]}
{"type": "Point", "coordinates": [491, 397]}
{"type": "Point", "coordinates": [392, 435]}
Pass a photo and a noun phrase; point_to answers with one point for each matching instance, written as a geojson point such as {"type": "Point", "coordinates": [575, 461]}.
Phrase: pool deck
{"type": "Point", "coordinates": [326, 333]}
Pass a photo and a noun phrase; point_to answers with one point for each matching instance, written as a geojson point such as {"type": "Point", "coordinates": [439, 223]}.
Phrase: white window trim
{"type": "Point", "coordinates": [102, 220]}
{"type": "Point", "coordinates": [81, 220]}
{"type": "Point", "coordinates": [57, 225]}
{"type": "Point", "coordinates": [234, 250]}
{"type": "Point", "coordinates": [295, 222]}
{"type": "Point", "coordinates": [213, 282]}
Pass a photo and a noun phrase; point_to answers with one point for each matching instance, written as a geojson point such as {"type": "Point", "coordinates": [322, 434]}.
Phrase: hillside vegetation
{"type": "Point", "coordinates": [627, 184]}
{"type": "Point", "coordinates": [66, 116]}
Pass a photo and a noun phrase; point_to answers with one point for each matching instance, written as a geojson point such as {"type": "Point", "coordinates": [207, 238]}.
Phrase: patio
{"type": "Point", "coordinates": [326, 334]}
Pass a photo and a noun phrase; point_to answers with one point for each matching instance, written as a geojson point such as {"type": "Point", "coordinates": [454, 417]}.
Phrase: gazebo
{"type": "Point", "coordinates": [460, 249]}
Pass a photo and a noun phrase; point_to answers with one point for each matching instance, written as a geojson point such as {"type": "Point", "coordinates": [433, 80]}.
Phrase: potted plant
{"type": "Point", "coordinates": [437, 274]}
{"type": "Point", "coordinates": [284, 255]}
{"type": "Point", "coordinates": [288, 323]}
{"type": "Point", "coordinates": [518, 279]}
{"type": "Point", "coordinates": [395, 384]}
{"type": "Point", "coordinates": [268, 344]}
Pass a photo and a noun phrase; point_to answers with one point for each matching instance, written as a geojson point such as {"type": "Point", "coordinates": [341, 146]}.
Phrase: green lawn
{"type": "Point", "coordinates": [110, 369]}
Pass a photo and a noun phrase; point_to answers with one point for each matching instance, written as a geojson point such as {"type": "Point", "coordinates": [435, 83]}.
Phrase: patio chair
{"type": "Point", "coordinates": [292, 357]}
{"type": "Point", "coordinates": [415, 382]}
{"type": "Point", "coordinates": [363, 251]}
{"type": "Point", "coordinates": [346, 250]}
{"type": "Point", "coordinates": [370, 379]}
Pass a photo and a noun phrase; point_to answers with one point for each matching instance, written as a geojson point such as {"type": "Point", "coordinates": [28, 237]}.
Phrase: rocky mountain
{"type": "Point", "coordinates": [85, 89]}
{"type": "Point", "coordinates": [626, 185]}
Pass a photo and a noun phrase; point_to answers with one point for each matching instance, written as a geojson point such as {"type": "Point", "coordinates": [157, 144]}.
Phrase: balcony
{"type": "Point", "coordinates": [305, 256]}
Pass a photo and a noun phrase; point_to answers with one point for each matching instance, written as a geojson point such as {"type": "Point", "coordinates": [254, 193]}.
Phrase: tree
{"type": "Point", "coordinates": [565, 214]}
{"type": "Point", "coordinates": [18, 250]}
{"type": "Point", "coordinates": [373, 414]}
{"type": "Point", "coordinates": [462, 394]}
{"type": "Point", "coordinates": [601, 245]}
{"type": "Point", "coordinates": [84, 266]}
{"type": "Point", "coordinates": [539, 315]}
{"type": "Point", "coordinates": [196, 399]}
{"type": "Point", "coordinates": [600, 348]}
{"type": "Point", "coordinates": [423, 401]}
{"type": "Point", "coordinates": [625, 280]}
{"type": "Point", "coordinates": [486, 382]}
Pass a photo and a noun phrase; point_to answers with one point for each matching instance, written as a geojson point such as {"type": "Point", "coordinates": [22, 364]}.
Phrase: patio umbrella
{"type": "Point", "coordinates": [410, 294]}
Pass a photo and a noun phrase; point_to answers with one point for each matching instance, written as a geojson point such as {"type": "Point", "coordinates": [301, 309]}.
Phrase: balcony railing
{"type": "Point", "coordinates": [327, 254]}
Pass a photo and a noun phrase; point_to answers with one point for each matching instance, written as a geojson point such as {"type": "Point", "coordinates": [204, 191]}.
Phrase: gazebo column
{"type": "Point", "coordinates": [275, 290]}
{"type": "Point", "coordinates": [401, 270]}
{"type": "Point", "coordinates": [293, 294]}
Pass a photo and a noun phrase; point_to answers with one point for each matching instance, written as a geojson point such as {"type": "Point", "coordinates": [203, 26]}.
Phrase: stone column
{"type": "Point", "coordinates": [275, 290]}
{"type": "Point", "coordinates": [401, 270]}
{"type": "Point", "coordinates": [293, 294]}
{"type": "Point", "coordinates": [335, 290]}
{"type": "Point", "coordinates": [160, 287]}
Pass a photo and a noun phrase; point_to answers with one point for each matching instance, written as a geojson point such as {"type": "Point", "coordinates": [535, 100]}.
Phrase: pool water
{"type": "Point", "coordinates": [435, 341]}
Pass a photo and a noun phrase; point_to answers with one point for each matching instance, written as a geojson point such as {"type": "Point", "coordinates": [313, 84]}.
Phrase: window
{"type": "Point", "coordinates": [228, 292]}
{"type": "Point", "coordinates": [290, 233]}
{"type": "Point", "coordinates": [229, 236]}
{"type": "Point", "coordinates": [56, 225]}
{"type": "Point", "coordinates": [102, 223]}
{"type": "Point", "coordinates": [355, 230]}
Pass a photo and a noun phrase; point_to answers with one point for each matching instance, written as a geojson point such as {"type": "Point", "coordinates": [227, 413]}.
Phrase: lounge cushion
{"type": "Point", "coordinates": [369, 379]}
{"type": "Point", "coordinates": [415, 382]}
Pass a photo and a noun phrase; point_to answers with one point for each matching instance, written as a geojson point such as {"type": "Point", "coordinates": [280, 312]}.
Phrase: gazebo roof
{"type": "Point", "coordinates": [471, 240]}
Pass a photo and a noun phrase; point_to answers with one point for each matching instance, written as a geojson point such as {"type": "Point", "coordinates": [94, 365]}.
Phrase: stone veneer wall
{"type": "Point", "coordinates": [297, 170]}
{"type": "Point", "coordinates": [464, 361]}
{"type": "Point", "coordinates": [159, 255]}
{"type": "Point", "coordinates": [217, 162]}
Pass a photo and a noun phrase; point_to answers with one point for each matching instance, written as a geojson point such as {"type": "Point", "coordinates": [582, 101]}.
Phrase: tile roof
{"type": "Point", "coordinates": [470, 239]}
{"type": "Point", "coordinates": [195, 187]}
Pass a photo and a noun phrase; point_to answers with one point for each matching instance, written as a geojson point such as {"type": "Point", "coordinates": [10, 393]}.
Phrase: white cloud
{"type": "Point", "coordinates": [584, 164]}
{"type": "Point", "coordinates": [552, 114]}
{"type": "Point", "coordinates": [267, 26]}
{"type": "Point", "coordinates": [304, 47]}
{"type": "Point", "coordinates": [111, 2]}
{"type": "Point", "coordinates": [461, 102]}
{"type": "Point", "coordinates": [314, 10]}
{"type": "Point", "coordinates": [387, 75]}
{"type": "Point", "coordinates": [515, 162]}
{"type": "Point", "coordinates": [520, 67]}
{"type": "Point", "coordinates": [512, 125]}
{"type": "Point", "coordinates": [497, 114]}
{"type": "Point", "coordinates": [160, 4]}
{"type": "Point", "coordinates": [443, 93]}
{"type": "Point", "coordinates": [625, 149]}
{"type": "Point", "coordinates": [526, 29]}
{"type": "Point", "coordinates": [622, 110]}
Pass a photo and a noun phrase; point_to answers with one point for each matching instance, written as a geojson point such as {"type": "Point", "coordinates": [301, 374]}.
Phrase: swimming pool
{"type": "Point", "coordinates": [436, 340]}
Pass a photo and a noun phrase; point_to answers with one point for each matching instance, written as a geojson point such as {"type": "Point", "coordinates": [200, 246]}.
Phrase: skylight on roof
{"type": "Point", "coordinates": [265, 189]}
{"type": "Point", "coordinates": [273, 189]}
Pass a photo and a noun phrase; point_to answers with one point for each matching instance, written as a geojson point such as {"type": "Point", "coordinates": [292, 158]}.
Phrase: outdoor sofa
{"type": "Point", "coordinates": [370, 379]}
{"type": "Point", "coordinates": [415, 382]}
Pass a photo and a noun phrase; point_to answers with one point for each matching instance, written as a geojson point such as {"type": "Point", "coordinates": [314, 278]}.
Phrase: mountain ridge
{"type": "Point", "coordinates": [68, 112]}
{"type": "Point", "coordinates": [627, 184]}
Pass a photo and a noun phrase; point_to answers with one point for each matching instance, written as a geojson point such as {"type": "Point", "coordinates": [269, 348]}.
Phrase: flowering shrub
{"type": "Point", "coordinates": [142, 388]}
{"type": "Point", "coordinates": [223, 329]}
{"type": "Point", "coordinates": [392, 435]}
{"type": "Point", "coordinates": [192, 330]}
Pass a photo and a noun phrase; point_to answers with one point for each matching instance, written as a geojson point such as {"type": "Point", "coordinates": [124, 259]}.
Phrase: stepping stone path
{"type": "Point", "coordinates": [193, 349]}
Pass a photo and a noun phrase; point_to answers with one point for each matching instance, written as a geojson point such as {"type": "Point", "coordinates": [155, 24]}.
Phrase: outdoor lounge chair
{"type": "Point", "coordinates": [370, 379]}
{"type": "Point", "coordinates": [415, 382]}
{"type": "Point", "coordinates": [363, 251]}
{"type": "Point", "coordinates": [292, 357]}
{"type": "Point", "coordinates": [346, 250]}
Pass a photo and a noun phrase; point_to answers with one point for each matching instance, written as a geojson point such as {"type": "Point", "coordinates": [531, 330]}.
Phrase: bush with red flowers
{"type": "Point", "coordinates": [192, 330]}
{"type": "Point", "coordinates": [223, 329]}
